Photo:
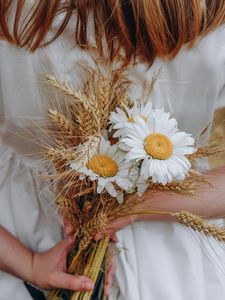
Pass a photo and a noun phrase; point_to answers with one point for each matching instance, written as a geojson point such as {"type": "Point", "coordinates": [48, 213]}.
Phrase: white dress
{"type": "Point", "coordinates": [161, 261]}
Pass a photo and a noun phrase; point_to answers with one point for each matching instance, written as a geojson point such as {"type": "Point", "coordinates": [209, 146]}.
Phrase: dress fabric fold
{"type": "Point", "coordinates": [155, 261]}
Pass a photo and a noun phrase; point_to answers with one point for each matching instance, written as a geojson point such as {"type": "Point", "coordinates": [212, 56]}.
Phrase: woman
{"type": "Point", "coordinates": [162, 261]}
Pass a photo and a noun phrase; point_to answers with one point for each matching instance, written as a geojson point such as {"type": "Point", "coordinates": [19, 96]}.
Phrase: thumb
{"type": "Point", "coordinates": [59, 253]}
{"type": "Point", "coordinates": [64, 245]}
{"type": "Point", "coordinates": [71, 282]}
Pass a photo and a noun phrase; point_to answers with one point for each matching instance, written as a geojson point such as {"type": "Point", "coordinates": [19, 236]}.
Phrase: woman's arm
{"type": "Point", "coordinates": [208, 202]}
{"type": "Point", "coordinates": [46, 270]}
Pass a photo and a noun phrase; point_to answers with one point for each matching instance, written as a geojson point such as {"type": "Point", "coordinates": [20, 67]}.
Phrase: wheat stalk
{"type": "Point", "coordinates": [191, 221]}
{"type": "Point", "coordinates": [89, 123]}
{"type": "Point", "coordinates": [88, 149]}
{"type": "Point", "coordinates": [64, 87]}
{"type": "Point", "coordinates": [186, 187]}
{"type": "Point", "coordinates": [94, 225]}
{"type": "Point", "coordinates": [61, 154]}
{"type": "Point", "coordinates": [93, 267]}
{"type": "Point", "coordinates": [124, 100]}
{"type": "Point", "coordinates": [67, 209]}
{"type": "Point", "coordinates": [198, 224]}
{"type": "Point", "coordinates": [104, 100]}
{"type": "Point", "coordinates": [208, 151]}
{"type": "Point", "coordinates": [62, 122]}
{"type": "Point", "coordinates": [85, 107]}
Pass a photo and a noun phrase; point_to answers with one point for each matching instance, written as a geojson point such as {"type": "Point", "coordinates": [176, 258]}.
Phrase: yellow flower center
{"type": "Point", "coordinates": [103, 165]}
{"type": "Point", "coordinates": [132, 120]}
{"type": "Point", "coordinates": [158, 146]}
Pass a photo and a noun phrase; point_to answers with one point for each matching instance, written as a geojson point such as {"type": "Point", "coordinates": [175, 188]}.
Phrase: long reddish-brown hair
{"type": "Point", "coordinates": [144, 28]}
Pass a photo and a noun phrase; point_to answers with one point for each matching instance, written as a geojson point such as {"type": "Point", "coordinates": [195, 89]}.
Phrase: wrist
{"type": "Point", "coordinates": [33, 270]}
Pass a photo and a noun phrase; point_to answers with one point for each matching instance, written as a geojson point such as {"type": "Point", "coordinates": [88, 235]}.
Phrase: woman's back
{"type": "Point", "coordinates": [160, 260]}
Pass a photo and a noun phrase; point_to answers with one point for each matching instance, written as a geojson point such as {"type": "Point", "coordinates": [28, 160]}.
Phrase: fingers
{"type": "Point", "coordinates": [101, 235]}
{"type": "Point", "coordinates": [68, 228]}
{"type": "Point", "coordinates": [61, 279]}
{"type": "Point", "coordinates": [120, 223]}
{"type": "Point", "coordinates": [70, 244]}
{"type": "Point", "coordinates": [115, 226]}
{"type": "Point", "coordinates": [69, 231]}
{"type": "Point", "coordinates": [114, 239]}
{"type": "Point", "coordinates": [70, 282]}
{"type": "Point", "coordinates": [109, 277]}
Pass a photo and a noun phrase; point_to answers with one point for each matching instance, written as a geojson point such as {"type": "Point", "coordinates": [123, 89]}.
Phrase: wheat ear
{"type": "Point", "coordinates": [64, 87]}
{"type": "Point", "coordinates": [65, 154]}
{"type": "Point", "coordinates": [59, 120]}
{"type": "Point", "coordinates": [198, 224]}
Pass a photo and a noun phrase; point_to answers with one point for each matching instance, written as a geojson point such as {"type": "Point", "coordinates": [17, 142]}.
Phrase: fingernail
{"type": "Point", "coordinates": [87, 286]}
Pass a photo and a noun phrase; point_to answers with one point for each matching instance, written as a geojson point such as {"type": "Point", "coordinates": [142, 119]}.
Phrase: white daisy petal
{"type": "Point", "coordinates": [123, 173]}
{"type": "Point", "coordinates": [120, 197]}
{"type": "Point", "coordinates": [132, 142]}
{"type": "Point", "coordinates": [171, 166]}
{"type": "Point", "coordinates": [104, 145]}
{"type": "Point", "coordinates": [112, 150]}
{"type": "Point", "coordinates": [119, 133]}
{"type": "Point", "coordinates": [164, 180]}
{"type": "Point", "coordinates": [111, 189]}
{"type": "Point", "coordinates": [142, 186]}
{"type": "Point", "coordinates": [124, 147]}
{"type": "Point", "coordinates": [122, 113]}
{"type": "Point", "coordinates": [168, 128]}
{"type": "Point", "coordinates": [145, 168]}
{"type": "Point", "coordinates": [124, 183]}
{"type": "Point", "coordinates": [182, 139]}
{"type": "Point", "coordinates": [176, 168]}
{"type": "Point", "coordinates": [184, 150]}
{"type": "Point", "coordinates": [182, 160]}
{"type": "Point", "coordinates": [157, 168]}
{"type": "Point", "coordinates": [102, 181]}
{"type": "Point", "coordinates": [132, 155]}
{"type": "Point", "coordinates": [100, 188]}
{"type": "Point", "coordinates": [119, 157]}
{"type": "Point", "coordinates": [134, 132]}
{"type": "Point", "coordinates": [142, 127]}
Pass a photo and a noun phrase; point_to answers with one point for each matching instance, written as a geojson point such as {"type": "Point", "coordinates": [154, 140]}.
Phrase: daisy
{"type": "Point", "coordinates": [110, 169]}
{"type": "Point", "coordinates": [119, 119]}
{"type": "Point", "coordinates": [160, 147]}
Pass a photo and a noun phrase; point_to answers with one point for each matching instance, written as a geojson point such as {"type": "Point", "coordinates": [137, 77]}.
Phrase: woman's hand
{"type": "Point", "coordinates": [49, 270]}
{"type": "Point", "coordinates": [46, 270]}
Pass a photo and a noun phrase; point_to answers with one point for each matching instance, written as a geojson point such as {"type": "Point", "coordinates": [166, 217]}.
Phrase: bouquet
{"type": "Point", "coordinates": [107, 152]}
